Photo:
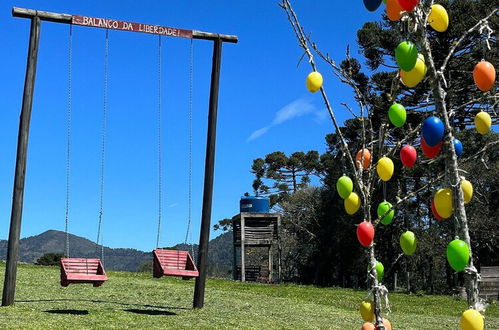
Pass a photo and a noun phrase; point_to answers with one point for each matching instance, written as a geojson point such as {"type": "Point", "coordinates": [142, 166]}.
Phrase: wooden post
{"type": "Point", "coordinates": [234, 265]}
{"type": "Point", "coordinates": [243, 259]}
{"type": "Point", "coordinates": [271, 264]}
{"type": "Point", "coordinates": [9, 287]}
{"type": "Point", "coordinates": [198, 301]}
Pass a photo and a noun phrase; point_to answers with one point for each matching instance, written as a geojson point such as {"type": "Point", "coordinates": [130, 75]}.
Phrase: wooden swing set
{"type": "Point", "coordinates": [86, 270]}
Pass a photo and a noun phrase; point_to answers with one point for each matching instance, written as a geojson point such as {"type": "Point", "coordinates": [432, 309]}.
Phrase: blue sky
{"type": "Point", "coordinates": [263, 107]}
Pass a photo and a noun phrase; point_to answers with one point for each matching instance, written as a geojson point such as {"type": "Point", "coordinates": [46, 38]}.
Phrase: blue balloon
{"type": "Point", "coordinates": [433, 131]}
{"type": "Point", "coordinates": [458, 146]}
{"type": "Point", "coordinates": [372, 5]}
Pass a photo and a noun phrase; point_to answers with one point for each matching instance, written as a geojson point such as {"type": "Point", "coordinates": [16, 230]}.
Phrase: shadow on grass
{"type": "Point", "coordinates": [67, 311]}
{"type": "Point", "coordinates": [149, 311]}
{"type": "Point", "coordinates": [101, 302]}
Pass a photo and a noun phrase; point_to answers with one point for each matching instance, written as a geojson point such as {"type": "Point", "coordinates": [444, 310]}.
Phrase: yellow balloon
{"type": "Point", "coordinates": [352, 203]}
{"type": "Point", "coordinates": [314, 81]}
{"type": "Point", "coordinates": [414, 77]}
{"type": "Point", "coordinates": [367, 310]}
{"type": "Point", "coordinates": [467, 189]}
{"type": "Point", "coordinates": [471, 320]}
{"type": "Point", "coordinates": [438, 18]}
{"type": "Point", "coordinates": [483, 122]}
{"type": "Point", "coordinates": [385, 168]}
{"type": "Point", "coordinates": [443, 202]}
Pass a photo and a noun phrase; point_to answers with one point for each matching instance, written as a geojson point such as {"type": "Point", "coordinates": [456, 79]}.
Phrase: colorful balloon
{"type": "Point", "coordinates": [406, 55]}
{"type": "Point", "coordinates": [471, 319]}
{"type": "Point", "coordinates": [365, 233]}
{"type": "Point", "coordinates": [430, 152]}
{"type": "Point", "coordinates": [393, 10]}
{"type": "Point", "coordinates": [372, 5]}
{"type": "Point", "coordinates": [352, 203]}
{"type": "Point", "coordinates": [364, 158]}
{"type": "Point", "coordinates": [383, 208]}
{"type": "Point", "coordinates": [380, 270]}
{"type": "Point", "coordinates": [408, 242]}
{"type": "Point", "coordinates": [367, 310]}
{"type": "Point", "coordinates": [433, 131]}
{"type": "Point", "coordinates": [484, 75]}
{"type": "Point", "coordinates": [397, 114]}
{"type": "Point", "coordinates": [368, 325]}
{"type": "Point", "coordinates": [458, 147]}
{"type": "Point", "coordinates": [314, 81]}
{"type": "Point", "coordinates": [438, 18]}
{"type": "Point", "coordinates": [416, 75]}
{"type": "Point", "coordinates": [387, 324]}
{"type": "Point", "coordinates": [483, 122]}
{"type": "Point", "coordinates": [458, 255]}
{"type": "Point", "coordinates": [408, 5]}
{"type": "Point", "coordinates": [385, 168]}
{"type": "Point", "coordinates": [434, 211]}
{"type": "Point", "coordinates": [467, 189]}
{"type": "Point", "coordinates": [443, 202]}
{"type": "Point", "coordinates": [344, 186]}
{"type": "Point", "coordinates": [408, 156]}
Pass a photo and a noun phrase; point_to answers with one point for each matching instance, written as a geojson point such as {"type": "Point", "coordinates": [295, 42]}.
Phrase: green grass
{"type": "Point", "coordinates": [130, 300]}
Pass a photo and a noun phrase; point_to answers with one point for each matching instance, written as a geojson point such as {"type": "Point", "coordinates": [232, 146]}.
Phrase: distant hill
{"type": "Point", "coordinates": [31, 248]}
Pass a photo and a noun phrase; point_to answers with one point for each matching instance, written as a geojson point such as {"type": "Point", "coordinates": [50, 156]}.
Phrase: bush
{"type": "Point", "coordinates": [50, 259]}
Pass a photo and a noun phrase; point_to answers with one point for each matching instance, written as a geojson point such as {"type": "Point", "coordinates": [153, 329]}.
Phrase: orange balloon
{"type": "Point", "coordinates": [368, 326]}
{"type": "Point", "coordinates": [484, 75]}
{"type": "Point", "coordinates": [367, 158]}
{"type": "Point", "coordinates": [393, 10]}
{"type": "Point", "coordinates": [387, 324]}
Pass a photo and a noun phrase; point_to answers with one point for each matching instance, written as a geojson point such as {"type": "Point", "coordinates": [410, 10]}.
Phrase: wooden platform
{"type": "Point", "coordinates": [489, 282]}
{"type": "Point", "coordinates": [173, 263]}
{"type": "Point", "coordinates": [82, 270]}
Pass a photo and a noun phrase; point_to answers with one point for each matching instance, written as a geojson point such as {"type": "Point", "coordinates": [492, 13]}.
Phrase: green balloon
{"type": "Point", "coordinates": [406, 55]}
{"type": "Point", "coordinates": [344, 186]}
{"type": "Point", "coordinates": [458, 255]}
{"type": "Point", "coordinates": [397, 114]}
{"type": "Point", "coordinates": [380, 270]}
{"type": "Point", "coordinates": [408, 242]}
{"type": "Point", "coordinates": [382, 209]}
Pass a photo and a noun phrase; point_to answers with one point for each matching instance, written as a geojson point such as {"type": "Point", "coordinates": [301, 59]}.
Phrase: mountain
{"type": "Point", "coordinates": [53, 241]}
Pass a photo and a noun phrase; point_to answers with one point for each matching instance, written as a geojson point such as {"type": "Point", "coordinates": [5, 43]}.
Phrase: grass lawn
{"type": "Point", "coordinates": [130, 300]}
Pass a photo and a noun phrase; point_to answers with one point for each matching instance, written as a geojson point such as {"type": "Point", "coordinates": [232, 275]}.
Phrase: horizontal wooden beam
{"type": "Point", "coordinates": [120, 25]}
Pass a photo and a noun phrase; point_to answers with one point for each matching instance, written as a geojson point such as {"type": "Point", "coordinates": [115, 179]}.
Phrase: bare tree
{"type": "Point", "coordinates": [382, 143]}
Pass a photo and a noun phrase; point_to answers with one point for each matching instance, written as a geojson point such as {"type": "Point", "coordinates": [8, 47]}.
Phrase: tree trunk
{"type": "Point", "coordinates": [471, 278]}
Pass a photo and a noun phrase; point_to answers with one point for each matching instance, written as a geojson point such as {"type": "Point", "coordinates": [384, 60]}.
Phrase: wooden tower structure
{"type": "Point", "coordinates": [260, 230]}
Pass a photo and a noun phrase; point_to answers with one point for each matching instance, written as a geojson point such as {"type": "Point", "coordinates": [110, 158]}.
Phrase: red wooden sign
{"type": "Point", "coordinates": [130, 26]}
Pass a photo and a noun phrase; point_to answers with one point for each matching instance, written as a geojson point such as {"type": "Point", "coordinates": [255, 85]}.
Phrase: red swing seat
{"type": "Point", "coordinates": [82, 270]}
{"type": "Point", "coordinates": [173, 263]}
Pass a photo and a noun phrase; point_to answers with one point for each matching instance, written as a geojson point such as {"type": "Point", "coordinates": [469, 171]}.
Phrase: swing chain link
{"type": "Point", "coordinates": [160, 170]}
{"type": "Point", "coordinates": [68, 120]}
{"type": "Point", "coordinates": [103, 145]}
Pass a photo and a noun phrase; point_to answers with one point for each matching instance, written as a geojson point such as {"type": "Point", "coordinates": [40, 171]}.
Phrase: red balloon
{"type": "Point", "coordinates": [408, 5]}
{"type": "Point", "coordinates": [430, 152]}
{"type": "Point", "coordinates": [365, 233]}
{"type": "Point", "coordinates": [434, 211]}
{"type": "Point", "coordinates": [408, 156]}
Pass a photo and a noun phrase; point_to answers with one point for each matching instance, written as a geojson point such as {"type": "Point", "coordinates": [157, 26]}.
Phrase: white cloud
{"type": "Point", "coordinates": [173, 205]}
{"type": "Point", "coordinates": [293, 110]}
{"type": "Point", "coordinates": [258, 133]}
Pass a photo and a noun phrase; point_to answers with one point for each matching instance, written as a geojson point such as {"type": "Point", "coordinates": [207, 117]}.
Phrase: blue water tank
{"type": "Point", "coordinates": [254, 204]}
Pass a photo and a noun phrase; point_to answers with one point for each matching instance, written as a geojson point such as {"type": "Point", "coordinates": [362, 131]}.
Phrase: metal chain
{"type": "Point", "coordinates": [191, 83]}
{"type": "Point", "coordinates": [160, 176]}
{"type": "Point", "coordinates": [103, 150]}
{"type": "Point", "coordinates": [191, 78]}
{"type": "Point", "coordinates": [68, 154]}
